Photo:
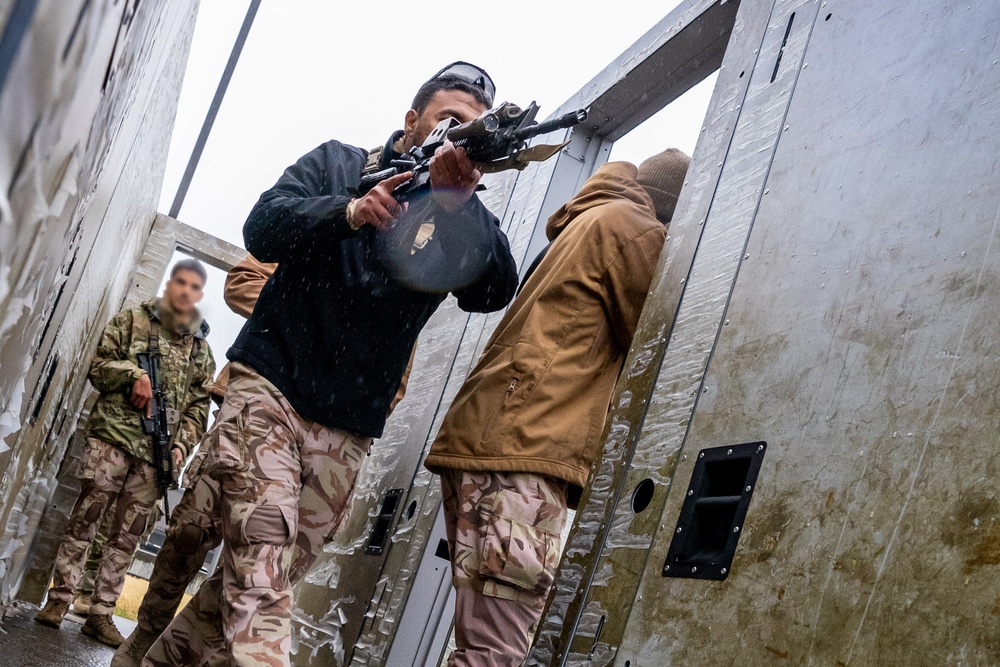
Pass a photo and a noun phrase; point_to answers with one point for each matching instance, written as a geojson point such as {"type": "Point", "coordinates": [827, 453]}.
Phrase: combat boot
{"type": "Point", "coordinates": [102, 628]}
{"type": "Point", "coordinates": [52, 613]}
{"type": "Point", "coordinates": [81, 605]}
{"type": "Point", "coordinates": [131, 653]}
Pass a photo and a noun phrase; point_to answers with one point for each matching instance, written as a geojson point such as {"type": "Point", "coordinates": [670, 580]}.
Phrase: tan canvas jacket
{"type": "Point", "coordinates": [538, 397]}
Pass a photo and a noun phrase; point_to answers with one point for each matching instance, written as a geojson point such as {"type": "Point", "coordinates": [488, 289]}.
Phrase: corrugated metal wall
{"type": "Point", "coordinates": [88, 106]}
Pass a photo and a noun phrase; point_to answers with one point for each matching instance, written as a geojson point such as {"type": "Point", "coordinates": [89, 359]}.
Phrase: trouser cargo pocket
{"type": "Point", "coordinates": [521, 540]}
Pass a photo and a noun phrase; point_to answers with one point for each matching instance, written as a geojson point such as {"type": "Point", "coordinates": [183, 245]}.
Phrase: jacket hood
{"type": "Point", "coordinates": [613, 182]}
{"type": "Point", "coordinates": [158, 309]}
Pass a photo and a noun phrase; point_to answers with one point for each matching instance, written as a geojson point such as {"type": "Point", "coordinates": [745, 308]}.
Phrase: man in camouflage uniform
{"type": "Point", "coordinates": [194, 527]}
{"type": "Point", "coordinates": [117, 466]}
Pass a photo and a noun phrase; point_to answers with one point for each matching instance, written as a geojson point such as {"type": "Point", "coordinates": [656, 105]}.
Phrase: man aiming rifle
{"type": "Point", "coordinates": [316, 368]}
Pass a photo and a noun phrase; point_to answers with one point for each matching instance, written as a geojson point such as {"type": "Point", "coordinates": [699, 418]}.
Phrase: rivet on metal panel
{"type": "Point", "coordinates": [760, 448]}
{"type": "Point", "coordinates": [694, 569]}
{"type": "Point", "coordinates": [748, 489]}
{"type": "Point", "coordinates": [746, 256]}
{"type": "Point", "coordinates": [727, 321]}
{"type": "Point", "coordinates": [736, 529]}
{"type": "Point", "coordinates": [729, 452]}
{"type": "Point", "coordinates": [678, 529]}
{"type": "Point", "coordinates": [691, 492]}
{"type": "Point", "coordinates": [724, 570]}
{"type": "Point", "coordinates": [702, 455]}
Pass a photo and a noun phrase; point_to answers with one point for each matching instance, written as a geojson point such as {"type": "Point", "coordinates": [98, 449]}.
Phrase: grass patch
{"type": "Point", "coordinates": [132, 593]}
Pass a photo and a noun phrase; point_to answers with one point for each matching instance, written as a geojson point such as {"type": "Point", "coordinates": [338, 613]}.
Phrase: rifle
{"type": "Point", "coordinates": [157, 426]}
{"type": "Point", "coordinates": [495, 141]}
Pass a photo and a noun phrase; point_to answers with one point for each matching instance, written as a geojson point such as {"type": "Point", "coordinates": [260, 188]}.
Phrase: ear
{"type": "Point", "coordinates": [410, 122]}
{"type": "Point", "coordinates": [201, 295]}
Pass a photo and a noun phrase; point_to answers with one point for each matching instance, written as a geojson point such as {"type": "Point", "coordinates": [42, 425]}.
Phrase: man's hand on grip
{"type": "Point", "coordinates": [379, 208]}
{"type": "Point", "coordinates": [453, 177]}
{"type": "Point", "coordinates": [142, 395]}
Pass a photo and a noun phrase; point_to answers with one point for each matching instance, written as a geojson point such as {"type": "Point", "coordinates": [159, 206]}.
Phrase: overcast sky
{"type": "Point", "coordinates": [314, 70]}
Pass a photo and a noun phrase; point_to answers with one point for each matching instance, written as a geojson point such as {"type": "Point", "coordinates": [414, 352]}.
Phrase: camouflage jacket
{"type": "Point", "coordinates": [115, 369]}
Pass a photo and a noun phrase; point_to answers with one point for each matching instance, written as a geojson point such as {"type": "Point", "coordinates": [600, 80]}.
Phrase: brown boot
{"type": "Point", "coordinates": [81, 605]}
{"type": "Point", "coordinates": [52, 613]}
{"type": "Point", "coordinates": [131, 653]}
{"type": "Point", "coordinates": [102, 628]}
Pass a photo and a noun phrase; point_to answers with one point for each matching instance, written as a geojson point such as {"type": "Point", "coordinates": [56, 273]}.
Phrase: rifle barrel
{"type": "Point", "coordinates": [562, 122]}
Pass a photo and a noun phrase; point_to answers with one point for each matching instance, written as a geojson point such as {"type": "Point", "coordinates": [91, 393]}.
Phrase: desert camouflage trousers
{"type": "Point", "coordinates": [109, 477]}
{"type": "Point", "coordinates": [88, 581]}
{"type": "Point", "coordinates": [194, 530]}
{"type": "Point", "coordinates": [504, 539]}
{"type": "Point", "coordinates": [276, 486]}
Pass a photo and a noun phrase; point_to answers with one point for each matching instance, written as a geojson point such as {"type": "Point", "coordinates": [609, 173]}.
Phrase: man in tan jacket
{"type": "Point", "coordinates": [518, 442]}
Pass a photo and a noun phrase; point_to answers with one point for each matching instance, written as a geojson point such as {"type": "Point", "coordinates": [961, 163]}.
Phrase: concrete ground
{"type": "Point", "coordinates": [24, 643]}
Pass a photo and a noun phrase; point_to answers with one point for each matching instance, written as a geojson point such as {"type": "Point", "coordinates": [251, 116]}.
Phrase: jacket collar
{"type": "Point", "coordinates": [389, 152]}
{"type": "Point", "coordinates": [158, 310]}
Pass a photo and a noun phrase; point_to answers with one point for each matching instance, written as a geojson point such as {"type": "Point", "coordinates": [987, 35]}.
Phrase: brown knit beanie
{"type": "Point", "coordinates": [662, 177]}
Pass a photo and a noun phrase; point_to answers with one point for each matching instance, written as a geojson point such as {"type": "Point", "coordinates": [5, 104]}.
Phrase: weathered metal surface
{"type": "Point", "coordinates": [88, 110]}
{"type": "Point", "coordinates": [647, 448]}
{"type": "Point", "coordinates": [166, 236]}
{"type": "Point", "coordinates": [857, 339]}
{"type": "Point", "coordinates": [568, 614]}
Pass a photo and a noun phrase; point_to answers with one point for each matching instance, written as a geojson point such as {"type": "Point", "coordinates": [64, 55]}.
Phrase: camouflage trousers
{"type": "Point", "coordinates": [504, 539]}
{"type": "Point", "coordinates": [109, 477]}
{"type": "Point", "coordinates": [194, 530]}
{"type": "Point", "coordinates": [275, 486]}
{"type": "Point", "coordinates": [95, 555]}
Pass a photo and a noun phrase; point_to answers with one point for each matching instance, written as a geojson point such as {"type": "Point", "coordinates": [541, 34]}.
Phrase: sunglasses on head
{"type": "Point", "coordinates": [471, 74]}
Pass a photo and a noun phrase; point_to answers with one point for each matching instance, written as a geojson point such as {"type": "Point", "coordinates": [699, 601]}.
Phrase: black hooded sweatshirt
{"type": "Point", "coordinates": [332, 329]}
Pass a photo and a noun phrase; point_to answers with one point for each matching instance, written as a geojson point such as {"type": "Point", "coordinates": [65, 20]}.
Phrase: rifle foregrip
{"type": "Point", "coordinates": [369, 182]}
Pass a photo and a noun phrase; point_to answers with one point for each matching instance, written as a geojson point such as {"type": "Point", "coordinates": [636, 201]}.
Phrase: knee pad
{"type": "Point", "coordinates": [94, 512]}
{"type": "Point", "coordinates": [189, 539]}
{"type": "Point", "coordinates": [138, 526]}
